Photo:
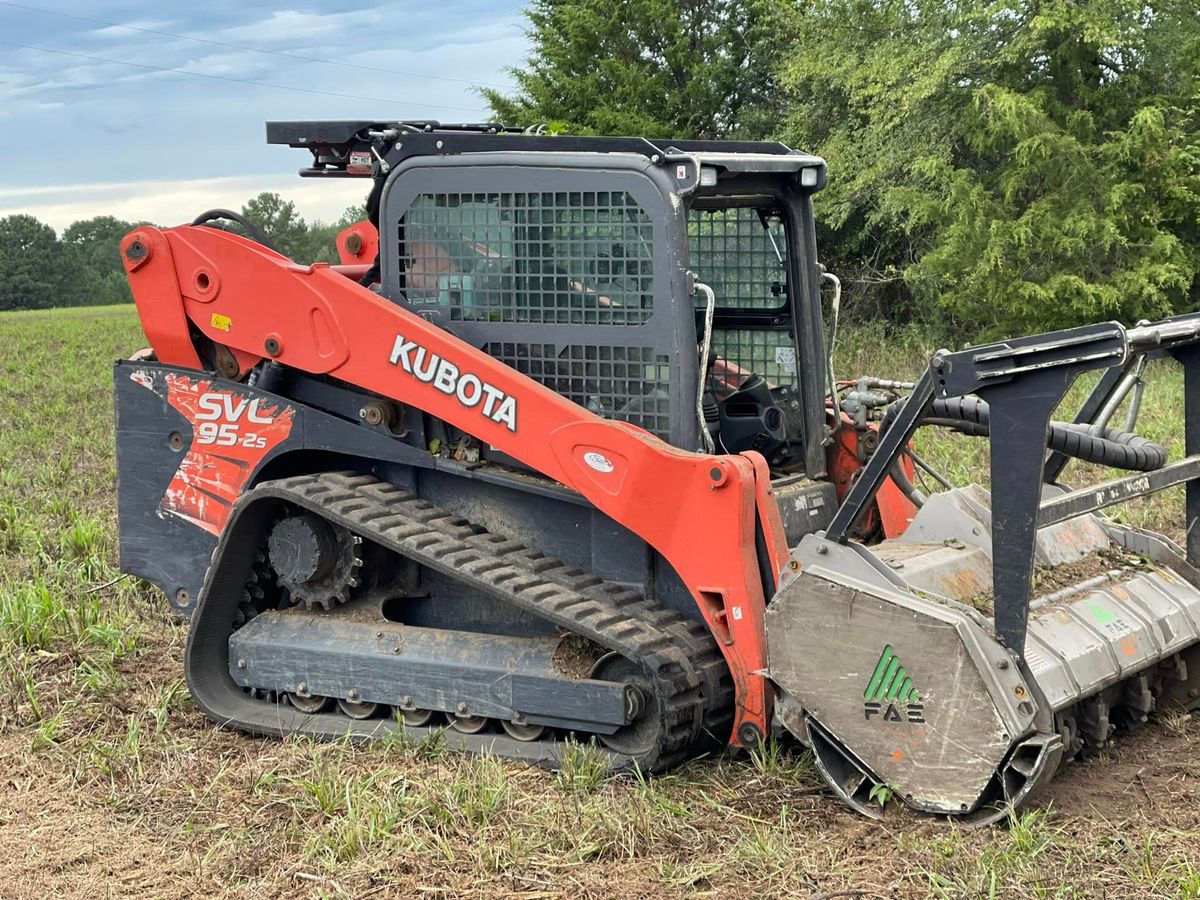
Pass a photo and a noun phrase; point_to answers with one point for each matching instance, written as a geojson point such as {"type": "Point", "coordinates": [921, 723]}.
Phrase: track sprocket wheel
{"type": "Point", "coordinates": [317, 562]}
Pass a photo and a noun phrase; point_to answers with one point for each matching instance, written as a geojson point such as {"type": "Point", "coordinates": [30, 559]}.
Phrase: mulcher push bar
{"type": "Point", "coordinates": [1024, 381]}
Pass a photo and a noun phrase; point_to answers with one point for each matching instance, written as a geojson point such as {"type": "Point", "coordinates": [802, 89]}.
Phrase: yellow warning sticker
{"type": "Point", "coordinates": [221, 322]}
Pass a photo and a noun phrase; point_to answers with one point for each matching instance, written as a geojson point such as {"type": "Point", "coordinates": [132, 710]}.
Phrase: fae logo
{"type": "Point", "coordinates": [890, 687]}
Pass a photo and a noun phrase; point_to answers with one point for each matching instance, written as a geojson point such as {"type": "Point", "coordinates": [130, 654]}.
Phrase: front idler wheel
{"type": "Point", "coordinates": [642, 733]}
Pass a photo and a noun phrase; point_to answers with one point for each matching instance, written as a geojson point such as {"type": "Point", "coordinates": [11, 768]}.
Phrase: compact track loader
{"type": "Point", "coordinates": [556, 454]}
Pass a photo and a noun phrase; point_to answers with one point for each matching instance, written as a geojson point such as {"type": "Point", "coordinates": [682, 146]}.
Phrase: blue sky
{"type": "Point", "coordinates": [87, 132]}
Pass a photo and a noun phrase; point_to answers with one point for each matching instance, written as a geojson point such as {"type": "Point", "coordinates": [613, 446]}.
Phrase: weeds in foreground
{"type": "Point", "coordinates": [583, 768]}
{"type": "Point", "coordinates": [1017, 857]}
{"type": "Point", "coordinates": [88, 712]}
{"type": "Point", "coordinates": [783, 760]}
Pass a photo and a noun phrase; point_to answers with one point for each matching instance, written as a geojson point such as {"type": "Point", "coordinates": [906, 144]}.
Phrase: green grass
{"type": "Point", "coordinates": [135, 793]}
{"type": "Point", "coordinates": [57, 528]}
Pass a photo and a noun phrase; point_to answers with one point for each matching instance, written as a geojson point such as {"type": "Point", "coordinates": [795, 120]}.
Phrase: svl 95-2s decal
{"type": "Point", "coordinates": [233, 431]}
{"type": "Point", "coordinates": [227, 421]}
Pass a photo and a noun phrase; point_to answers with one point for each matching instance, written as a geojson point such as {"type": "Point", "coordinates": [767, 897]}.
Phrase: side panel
{"type": "Point", "coordinates": [169, 551]}
{"type": "Point", "coordinates": [189, 443]}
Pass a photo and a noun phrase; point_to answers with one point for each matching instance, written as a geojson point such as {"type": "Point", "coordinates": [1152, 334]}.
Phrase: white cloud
{"type": "Point", "coordinates": [108, 34]}
{"type": "Point", "coordinates": [131, 123]}
{"type": "Point", "coordinates": [292, 25]}
{"type": "Point", "coordinates": [173, 202]}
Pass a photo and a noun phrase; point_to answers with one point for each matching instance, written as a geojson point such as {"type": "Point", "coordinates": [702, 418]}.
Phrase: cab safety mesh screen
{"type": "Point", "coordinates": [564, 257]}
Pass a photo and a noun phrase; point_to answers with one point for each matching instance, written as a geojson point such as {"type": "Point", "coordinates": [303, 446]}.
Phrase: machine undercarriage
{"type": "Point", "coordinates": [582, 657]}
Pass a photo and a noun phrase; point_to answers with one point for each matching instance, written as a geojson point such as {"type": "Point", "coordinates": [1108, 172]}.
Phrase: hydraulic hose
{"type": "Point", "coordinates": [904, 483]}
{"type": "Point", "coordinates": [252, 231]}
{"type": "Point", "coordinates": [1111, 447]}
{"type": "Point", "coordinates": [835, 308]}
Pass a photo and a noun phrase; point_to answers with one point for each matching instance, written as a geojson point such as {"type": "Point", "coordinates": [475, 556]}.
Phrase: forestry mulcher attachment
{"type": "Point", "coordinates": [556, 455]}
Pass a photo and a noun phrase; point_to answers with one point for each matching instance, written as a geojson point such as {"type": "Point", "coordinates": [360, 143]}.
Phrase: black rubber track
{"type": "Point", "coordinates": [679, 657]}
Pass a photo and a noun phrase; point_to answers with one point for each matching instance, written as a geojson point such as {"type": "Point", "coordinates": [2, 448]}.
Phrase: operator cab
{"type": "Point", "coordinates": [587, 264]}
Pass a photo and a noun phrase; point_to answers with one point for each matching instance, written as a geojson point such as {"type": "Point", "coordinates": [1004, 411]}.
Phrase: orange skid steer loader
{"type": "Point", "coordinates": [556, 454]}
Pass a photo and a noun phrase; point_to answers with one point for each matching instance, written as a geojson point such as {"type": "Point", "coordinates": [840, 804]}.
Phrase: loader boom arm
{"type": "Point", "coordinates": [700, 512]}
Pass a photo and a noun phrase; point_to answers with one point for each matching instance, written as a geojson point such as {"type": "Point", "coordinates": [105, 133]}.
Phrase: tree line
{"type": "Point", "coordinates": [999, 166]}
{"type": "Point", "coordinates": [995, 165]}
{"type": "Point", "coordinates": [40, 269]}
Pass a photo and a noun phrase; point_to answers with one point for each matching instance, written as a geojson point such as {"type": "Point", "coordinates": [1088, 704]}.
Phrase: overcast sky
{"type": "Point", "coordinates": [87, 132]}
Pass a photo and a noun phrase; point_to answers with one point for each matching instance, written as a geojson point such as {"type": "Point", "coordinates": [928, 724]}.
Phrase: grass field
{"type": "Point", "coordinates": [112, 784]}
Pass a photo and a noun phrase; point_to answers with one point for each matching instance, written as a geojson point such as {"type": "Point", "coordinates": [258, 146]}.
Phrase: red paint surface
{"type": "Point", "coordinates": [891, 509]}
{"type": "Point", "coordinates": [368, 247]}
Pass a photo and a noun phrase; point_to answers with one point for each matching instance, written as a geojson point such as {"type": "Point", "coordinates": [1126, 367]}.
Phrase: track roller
{"type": "Point", "coordinates": [468, 724]}
{"type": "Point", "coordinates": [523, 732]}
{"type": "Point", "coordinates": [416, 718]}
{"type": "Point", "coordinates": [309, 704]}
{"type": "Point", "coordinates": [358, 710]}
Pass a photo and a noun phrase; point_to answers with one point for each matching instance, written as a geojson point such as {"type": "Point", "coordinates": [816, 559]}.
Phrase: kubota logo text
{"type": "Point", "coordinates": [470, 390]}
{"type": "Point", "coordinates": [890, 687]}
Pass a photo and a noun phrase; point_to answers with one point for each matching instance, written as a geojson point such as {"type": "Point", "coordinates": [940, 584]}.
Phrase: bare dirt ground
{"type": "Point", "coordinates": [112, 784]}
{"type": "Point", "coordinates": [195, 811]}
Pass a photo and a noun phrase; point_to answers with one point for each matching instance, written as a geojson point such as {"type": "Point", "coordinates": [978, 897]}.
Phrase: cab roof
{"type": "Point", "coordinates": [332, 143]}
